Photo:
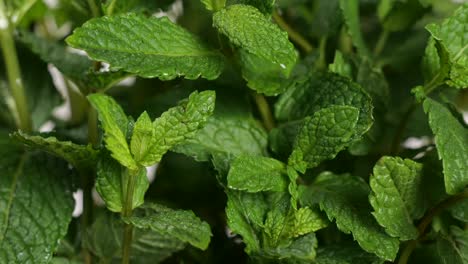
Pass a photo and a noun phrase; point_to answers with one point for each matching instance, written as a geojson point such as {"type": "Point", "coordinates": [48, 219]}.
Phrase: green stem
{"type": "Point", "coordinates": [345, 44]}
{"type": "Point", "coordinates": [77, 104]}
{"type": "Point", "coordinates": [87, 185]}
{"type": "Point", "coordinates": [111, 7]}
{"type": "Point", "coordinates": [94, 8]}
{"type": "Point", "coordinates": [395, 148]}
{"type": "Point", "coordinates": [293, 35]}
{"type": "Point", "coordinates": [21, 112]}
{"type": "Point", "coordinates": [265, 111]}
{"type": "Point", "coordinates": [127, 212]}
{"type": "Point", "coordinates": [322, 60]}
{"type": "Point", "coordinates": [381, 42]}
{"type": "Point", "coordinates": [427, 220]}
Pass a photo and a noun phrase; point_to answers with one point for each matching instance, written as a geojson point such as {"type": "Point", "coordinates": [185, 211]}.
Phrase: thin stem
{"type": "Point", "coordinates": [293, 35]}
{"type": "Point", "coordinates": [322, 60]}
{"type": "Point", "coordinates": [21, 112]}
{"type": "Point", "coordinates": [87, 185]}
{"type": "Point", "coordinates": [345, 44]}
{"type": "Point", "coordinates": [94, 8]}
{"type": "Point", "coordinates": [265, 111]}
{"type": "Point", "coordinates": [427, 220]}
{"type": "Point", "coordinates": [395, 148]}
{"type": "Point", "coordinates": [381, 42]}
{"type": "Point", "coordinates": [93, 132]}
{"type": "Point", "coordinates": [127, 212]}
{"type": "Point", "coordinates": [77, 103]}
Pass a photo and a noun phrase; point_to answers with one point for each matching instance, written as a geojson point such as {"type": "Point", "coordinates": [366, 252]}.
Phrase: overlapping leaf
{"type": "Point", "coordinates": [323, 135]}
{"type": "Point", "coordinates": [35, 204]}
{"type": "Point", "coordinates": [397, 196]}
{"type": "Point", "coordinates": [344, 199]}
{"type": "Point", "coordinates": [180, 224]}
{"type": "Point", "coordinates": [78, 155]}
{"type": "Point", "coordinates": [452, 143]}
{"type": "Point", "coordinates": [147, 46]}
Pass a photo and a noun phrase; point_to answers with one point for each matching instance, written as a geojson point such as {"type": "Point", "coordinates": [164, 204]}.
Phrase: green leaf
{"type": "Point", "coordinates": [302, 248]}
{"type": "Point", "coordinates": [323, 135]}
{"type": "Point", "coordinates": [265, 6]}
{"type": "Point", "coordinates": [350, 9]}
{"type": "Point", "coordinates": [180, 224]}
{"type": "Point", "coordinates": [315, 91]}
{"type": "Point", "coordinates": [178, 124]}
{"type": "Point", "coordinates": [303, 221]}
{"type": "Point", "coordinates": [78, 155]}
{"type": "Point", "coordinates": [214, 5]}
{"type": "Point", "coordinates": [453, 248]}
{"type": "Point", "coordinates": [111, 184]}
{"type": "Point", "coordinates": [142, 136]}
{"type": "Point", "coordinates": [114, 123]}
{"type": "Point", "coordinates": [452, 142]}
{"type": "Point", "coordinates": [245, 214]}
{"type": "Point", "coordinates": [400, 15]}
{"type": "Point", "coordinates": [341, 66]}
{"type": "Point", "coordinates": [347, 253]}
{"type": "Point", "coordinates": [74, 66]}
{"type": "Point", "coordinates": [397, 196]}
{"type": "Point", "coordinates": [128, 42]}
{"type": "Point", "coordinates": [344, 199]}
{"type": "Point", "coordinates": [281, 138]}
{"type": "Point", "coordinates": [104, 240]}
{"type": "Point", "coordinates": [453, 37]}
{"type": "Point", "coordinates": [460, 211]}
{"type": "Point", "coordinates": [262, 75]}
{"type": "Point", "coordinates": [249, 29]}
{"type": "Point", "coordinates": [372, 80]}
{"type": "Point", "coordinates": [35, 204]}
{"type": "Point", "coordinates": [230, 130]}
{"type": "Point", "coordinates": [254, 174]}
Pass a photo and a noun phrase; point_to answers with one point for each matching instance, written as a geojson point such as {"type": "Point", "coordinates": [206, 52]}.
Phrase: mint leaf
{"type": "Point", "coordinates": [180, 224]}
{"type": "Point", "coordinates": [323, 135]}
{"type": "Point", "coordinates": [452, 35]}
{"type": "Point", "coordinates": [265, 6]}
{"type": "Point", "coordinates": [300, 249]}
{"type": "Point", "coordinates": [114, 123]}
{"type": "Point", "coordinates": [178, 124]}
{"type": "Point", "coordinates": [453, 248]}
{"type": "Point", "coordinates": [344, 199]}
{"type": "Point", "coordinates": [214, 5]}
{"type": "Point", "coordinates": [245, 214]}
{"type": "Point", "coordinates": [142, 136]}
{"type": "Point", "coordinates": [230, 130]}
{"type": "Point", "coordinates": [315, 91]}
{"type": "Point", "coordinates": [255, 174]}
{"type": "Point", "coordinates": [128, 42]}
{"type": "Point", "coordinates": [111, 184]}
{"type": "Point", "coordinates": [397, 196]}
{"type": "Point", "coordinates": [35, 204]}
{"type": "Point", "coordinates": [350, 9]}
{"type": "Point", "coordinates": [76, 67]}
{"type": "Point", "coordinates": [341, 66]}
{"type": "Point", "coordinates": [303, 221]}
{"type": "Point", "coordinates": [104, 240]}
{"type": "Point", "coordinates": [249, 29]}
{"type": "Point", "coordinates": [262, 75]}
{"type": "Point", "coordinates": [460, 211]}
{"type": "Point", "coordinates": [451, 141]}
{"type": "Point", "coordinates": [326, 18]}
{"type": "Point", "coordinates": [78, 155]}
{"type": "Point", "coordinates": [346, 253]}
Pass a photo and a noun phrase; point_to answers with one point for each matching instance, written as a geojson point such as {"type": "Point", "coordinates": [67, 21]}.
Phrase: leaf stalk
{"type": "Point", "coordinates": [20, 111]}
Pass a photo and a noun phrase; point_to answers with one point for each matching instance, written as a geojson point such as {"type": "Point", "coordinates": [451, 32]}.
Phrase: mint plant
{"type": "Point", "coordinates": [234, 131]}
